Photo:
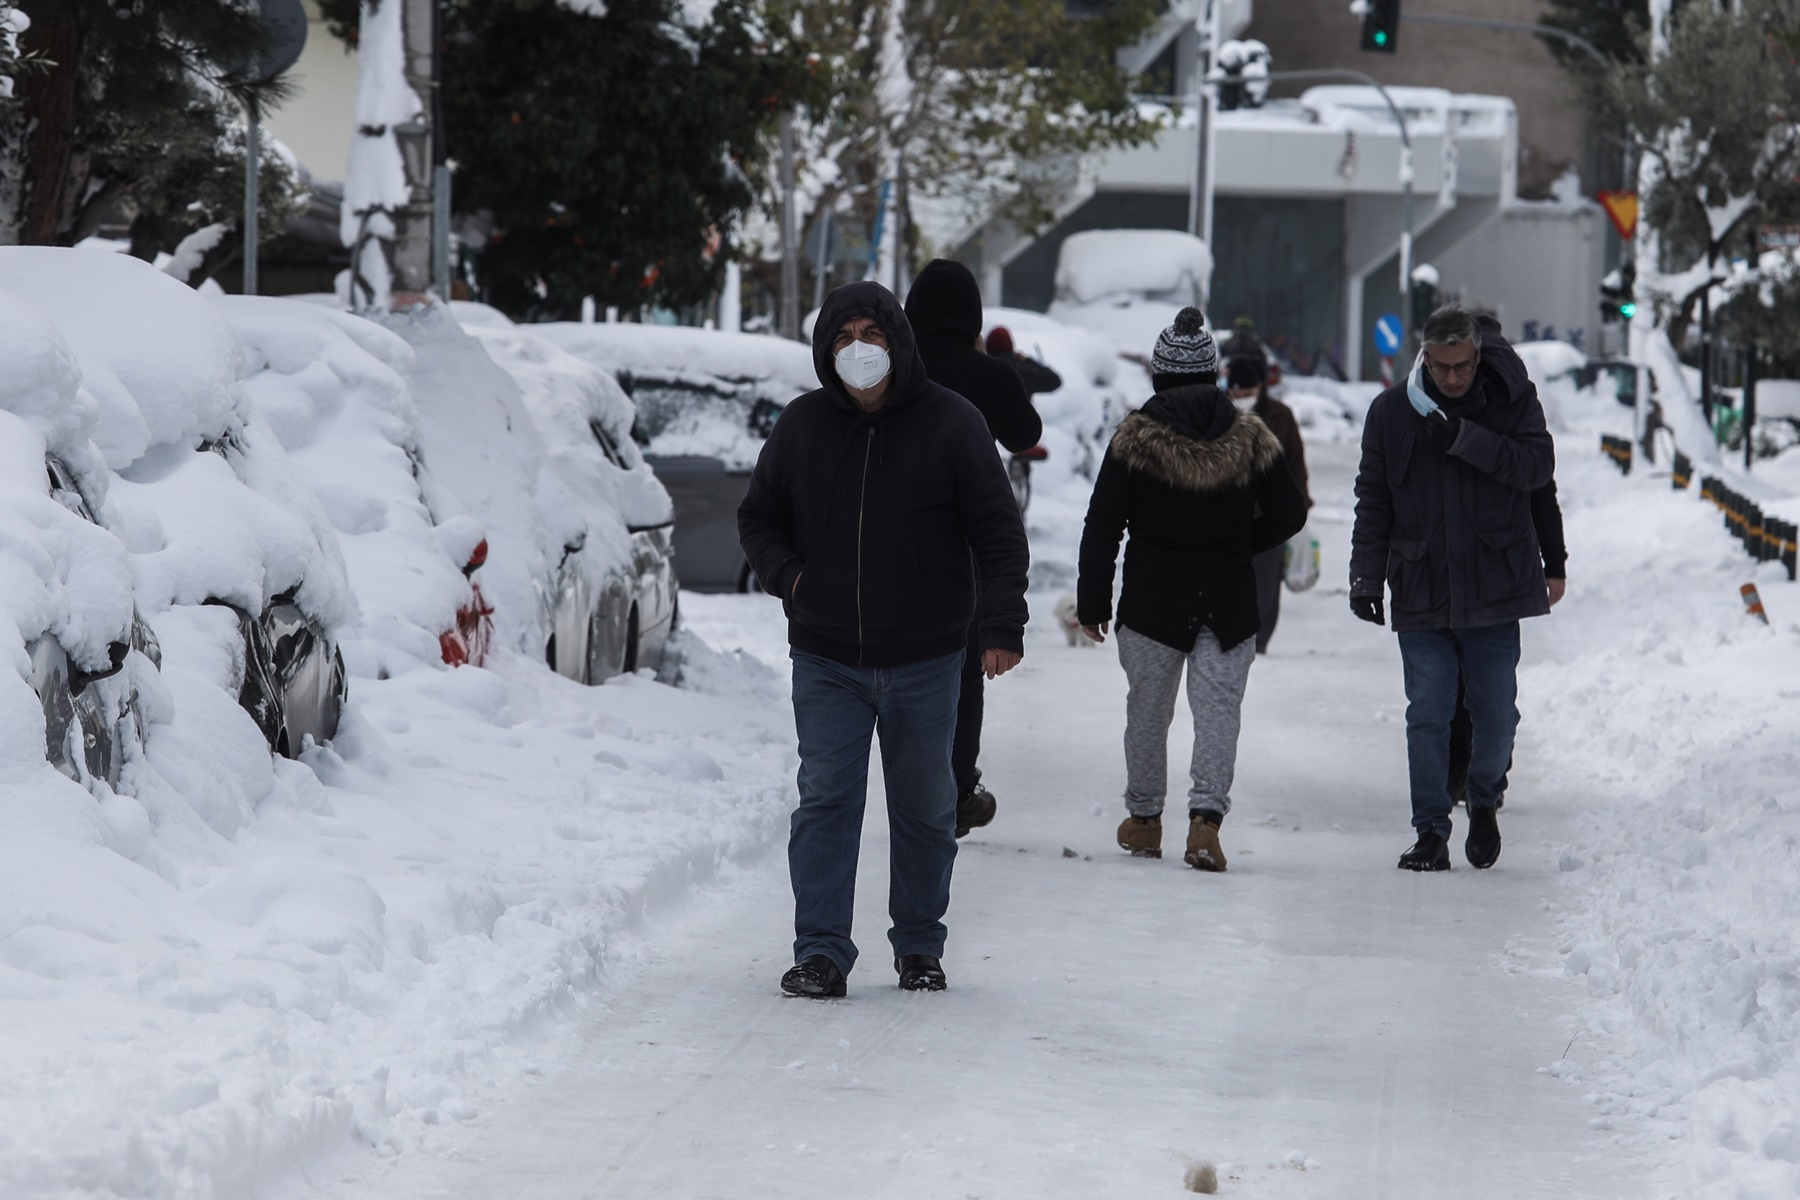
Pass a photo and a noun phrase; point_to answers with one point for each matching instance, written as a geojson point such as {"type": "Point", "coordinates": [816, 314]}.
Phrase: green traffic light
{"type": "Point", "coordinates": [1381, 37]}
{"type": "Point", "coordinates": [1628, 311]}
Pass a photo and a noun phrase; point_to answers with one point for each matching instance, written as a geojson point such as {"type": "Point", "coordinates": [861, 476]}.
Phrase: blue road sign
{"type": "Point", "coordinates": [1387, 334]}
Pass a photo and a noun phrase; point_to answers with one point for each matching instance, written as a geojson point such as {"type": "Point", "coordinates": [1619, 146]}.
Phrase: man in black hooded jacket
{"type": "Point", "coordinates": [874, 506]}
{"type": "Point", "coordinates": [944, 307]}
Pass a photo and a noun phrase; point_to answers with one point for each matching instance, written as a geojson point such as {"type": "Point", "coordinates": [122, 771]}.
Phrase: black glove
{"type": "Point", "coordinates": [1442, 431]}
{"type": "Point", "coordinates": [1368, 608]}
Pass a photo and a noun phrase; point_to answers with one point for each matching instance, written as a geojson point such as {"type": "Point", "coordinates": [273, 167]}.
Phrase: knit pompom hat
{"type": "Point", "coordinates": [1185, 348]}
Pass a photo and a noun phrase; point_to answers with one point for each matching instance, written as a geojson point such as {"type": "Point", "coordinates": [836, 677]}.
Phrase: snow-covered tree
{"type": "Point", "coordinates": [1615, 27]}
{"type": "Point", "coordinates": [983, 103]}
{"type": "Point", "coordinates": [129, 110]}
{"type": "Point", "coordinates": [1712, 105]}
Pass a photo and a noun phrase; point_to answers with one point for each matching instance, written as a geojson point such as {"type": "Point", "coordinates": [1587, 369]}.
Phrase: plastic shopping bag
{"type": "Point", "coordinates": [1300, 561]}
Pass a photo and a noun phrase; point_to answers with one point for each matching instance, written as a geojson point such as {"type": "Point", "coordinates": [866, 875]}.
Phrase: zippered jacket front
{"type": "Point", "coordinates": [885, 518]}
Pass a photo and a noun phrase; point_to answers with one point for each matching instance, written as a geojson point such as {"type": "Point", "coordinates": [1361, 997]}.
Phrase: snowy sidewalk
{"type": "Point", "coordinates": [1314, 1022]}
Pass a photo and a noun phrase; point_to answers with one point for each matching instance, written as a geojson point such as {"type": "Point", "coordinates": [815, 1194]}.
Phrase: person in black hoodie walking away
{"type": "Point", "coordinates": [1247, 378]}
{"type": "Point", "coordinates": [1202, 489]}
{"type": "Point", "coordinates": [875, 506]}
{"type": "Point", "coordinates": [944, 309]}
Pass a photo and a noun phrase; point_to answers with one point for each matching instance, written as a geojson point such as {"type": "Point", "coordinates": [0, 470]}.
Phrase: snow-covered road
{"type": "Point", "coordinates": [1314, 1022]}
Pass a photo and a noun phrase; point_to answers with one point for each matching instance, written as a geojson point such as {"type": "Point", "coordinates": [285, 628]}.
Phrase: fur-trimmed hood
{"type": "Point", "coordinates": [1232, 460]}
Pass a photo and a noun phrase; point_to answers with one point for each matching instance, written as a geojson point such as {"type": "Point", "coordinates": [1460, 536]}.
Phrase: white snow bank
{"type": "Point", "coordinates": [250, 963]}
{"type": "Point", "coordinates": [1675, 711]}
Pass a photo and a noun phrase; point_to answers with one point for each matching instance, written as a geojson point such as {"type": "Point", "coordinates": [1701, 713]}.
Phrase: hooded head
{"type": "Point", "coordinates": [945, 303]}
{"type": "Point", "coordinates": [866, 299]}
{"type": "Point", "coordinates": [1246, 372]}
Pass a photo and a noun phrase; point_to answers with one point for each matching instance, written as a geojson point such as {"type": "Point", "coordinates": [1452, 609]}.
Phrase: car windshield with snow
{"type": "Point", "coordinates": [705, 401]}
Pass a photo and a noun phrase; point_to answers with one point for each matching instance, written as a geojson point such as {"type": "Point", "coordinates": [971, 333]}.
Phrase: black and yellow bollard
{"type": "Point", "coordinates": [1618, 449]}
{"type": "Point", "coordinates": [1681, 472]}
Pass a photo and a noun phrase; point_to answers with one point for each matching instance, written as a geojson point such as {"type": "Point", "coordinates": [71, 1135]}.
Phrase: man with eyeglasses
{"type": "Point", "coordinates": [1443, 517]}
{"type": "Point", "coordinates": [874, 505]}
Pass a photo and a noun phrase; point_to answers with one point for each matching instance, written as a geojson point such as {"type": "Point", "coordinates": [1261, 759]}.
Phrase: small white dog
{"type": "Point", "coordinates": [1065, 616]}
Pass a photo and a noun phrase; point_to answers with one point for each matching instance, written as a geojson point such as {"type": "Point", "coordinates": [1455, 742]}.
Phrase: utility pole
{"type": "Point", "coordinates": [252, 193]}
{"type": "Point", "coordinates": [285, 23]}
{"type": "Point", "coordinates": [790, 249]}
{"type": "Point", "coordinates": [1200, 198]}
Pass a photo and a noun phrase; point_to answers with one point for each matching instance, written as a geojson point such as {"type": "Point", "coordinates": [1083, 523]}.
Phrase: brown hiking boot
{"type": "Point", "coordinates": [1203, 850]}
{"type": "Point", "coordinates": [1142, 836]}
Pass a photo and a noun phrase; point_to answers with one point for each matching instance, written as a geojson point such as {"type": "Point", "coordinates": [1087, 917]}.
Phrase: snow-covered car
{"type": "Point", "coordinates": [93, 719]}
{"type": "Point", "coordinates": [568, 578]}
{"type": "Point", "coordinates": [584, 419]}
{"type": "Point", "coordinates": [334, 387]}
{"type": "Point", "coordinates": [194, 484]}
{"type": "Point", "coordinates": [705, 401]}
{"type": "Point", "coordinates": [1128, 284]}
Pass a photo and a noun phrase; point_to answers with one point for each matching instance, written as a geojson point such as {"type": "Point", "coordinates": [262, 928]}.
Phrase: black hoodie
{"type": "Point", "coordinates": [944, 307]}
{"type": "Point", "coordinates": [882, 510]}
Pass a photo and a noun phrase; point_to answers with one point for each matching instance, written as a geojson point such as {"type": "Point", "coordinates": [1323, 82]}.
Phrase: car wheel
{"type": "Point", "coordinates": [610, 636]}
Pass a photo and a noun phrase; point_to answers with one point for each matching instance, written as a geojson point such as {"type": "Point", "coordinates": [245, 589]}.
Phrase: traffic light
{"type": "Point", "coordinates": [1617, 302]}
{"type": "Point", "coordinates": [1381, 25]}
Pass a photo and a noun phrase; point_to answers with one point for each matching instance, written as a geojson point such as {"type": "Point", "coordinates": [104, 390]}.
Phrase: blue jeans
{"type": "Point", "coordinates": [1488, 660]}
{"type": "Point", "coordinates": [837, 710]}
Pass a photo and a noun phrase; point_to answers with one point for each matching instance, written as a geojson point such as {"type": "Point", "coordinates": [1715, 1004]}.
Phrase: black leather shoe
{"type": "Point", "coordinates": [974, 808]}
{"type": "Point", "coordinates": [815, 977]}
{"type": "Point", "coordinates": [920, 973]}
{"type": "Point", "coordinates": [1483, 844]}
{"type": "Point", "coordinates": [1429, 853]}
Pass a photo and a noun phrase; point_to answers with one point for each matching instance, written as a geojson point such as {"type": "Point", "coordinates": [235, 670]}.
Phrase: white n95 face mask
{"type": "Point", "coordinates": [861, 365]}
{"type": "Point", "coordinates": [1243, 403]}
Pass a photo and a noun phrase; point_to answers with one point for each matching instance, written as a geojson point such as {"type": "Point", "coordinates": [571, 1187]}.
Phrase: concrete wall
{"type": "Point", "coordinates": [1538, 268]}
{"type": "Point", "coordinates": [1311, 34]}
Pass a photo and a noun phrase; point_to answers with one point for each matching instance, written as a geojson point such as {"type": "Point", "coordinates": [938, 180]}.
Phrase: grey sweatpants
{"type": "Point", "coordinates": [1215, 682]}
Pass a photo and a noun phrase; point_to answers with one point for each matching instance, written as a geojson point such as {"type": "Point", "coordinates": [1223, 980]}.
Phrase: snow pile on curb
{"type": "Point", "coordinates": [248, 963]}
{"type": "Point", "coordinates": [1676, 714]}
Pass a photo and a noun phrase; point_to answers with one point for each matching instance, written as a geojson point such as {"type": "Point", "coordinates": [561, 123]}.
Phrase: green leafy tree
{"type": "Point", "coordinates": [130, 109]}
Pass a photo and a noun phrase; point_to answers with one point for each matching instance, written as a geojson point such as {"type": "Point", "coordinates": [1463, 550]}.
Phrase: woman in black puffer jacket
{"type": "Point", "coordinates": [1202, 489]}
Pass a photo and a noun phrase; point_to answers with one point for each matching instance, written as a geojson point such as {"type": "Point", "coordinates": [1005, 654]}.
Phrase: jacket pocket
{"type": "Point", "coordinates": [1402, 459]}
{"type": "Point", "coordinates": [825, 598]}
{"type": "Point", "coordinates": [1506, 564]}
{"type": "Point", "coordinates": [1409, 576]}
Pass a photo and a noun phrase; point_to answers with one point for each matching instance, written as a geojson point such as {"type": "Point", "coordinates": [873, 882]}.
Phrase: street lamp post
{"type": "Point", "coordinates": [1200, 199]}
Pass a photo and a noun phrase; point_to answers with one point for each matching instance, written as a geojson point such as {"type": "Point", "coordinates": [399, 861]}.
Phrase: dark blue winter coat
{"type": "Point", "coordinates": [1451, 533]}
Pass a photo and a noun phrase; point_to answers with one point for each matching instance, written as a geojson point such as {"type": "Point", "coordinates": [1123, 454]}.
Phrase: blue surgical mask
{"type": "Point", "coordinates": [1415, 389]}
{"type": "Point", "coordinates": [861, 365]}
